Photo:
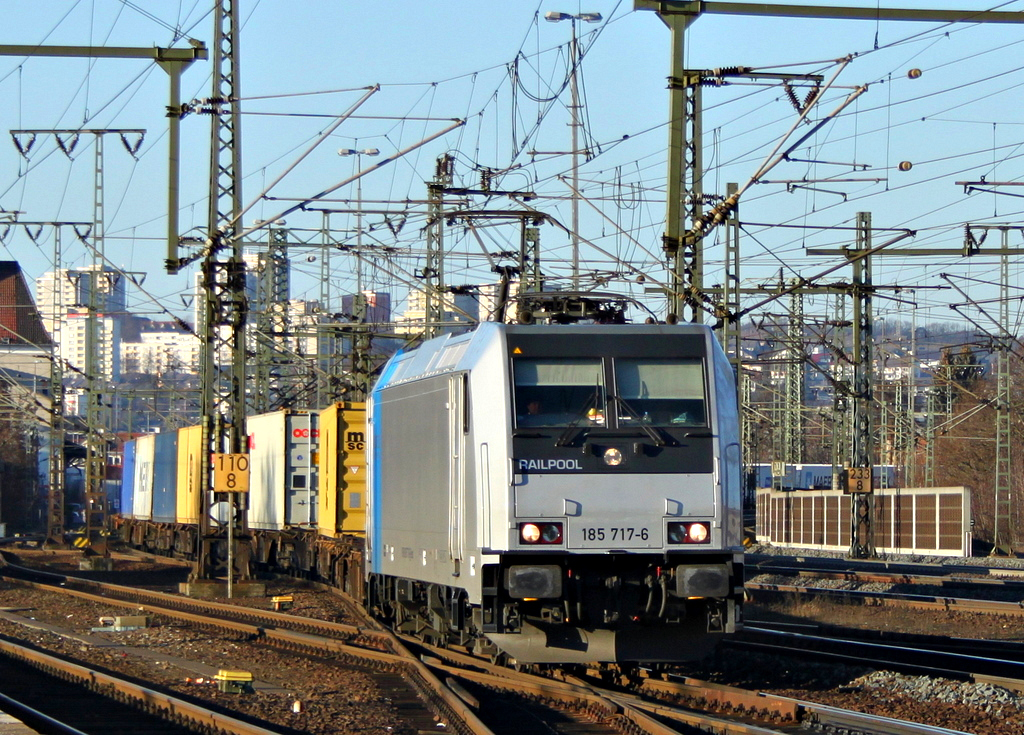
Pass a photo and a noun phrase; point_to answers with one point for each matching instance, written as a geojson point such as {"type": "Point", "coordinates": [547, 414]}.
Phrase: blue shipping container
{"type": "Point", "coordinates": [128, 478]}
{"type": "Point", "coordinates": [165, 477]}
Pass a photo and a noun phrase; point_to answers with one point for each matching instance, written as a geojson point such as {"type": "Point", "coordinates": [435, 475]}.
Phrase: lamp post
{"type": "Point", "coordinates": [574, 108]}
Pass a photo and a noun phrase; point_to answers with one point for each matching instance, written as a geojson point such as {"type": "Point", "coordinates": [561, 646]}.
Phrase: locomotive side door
{"type": "Point", "coordinates": [457, 407]}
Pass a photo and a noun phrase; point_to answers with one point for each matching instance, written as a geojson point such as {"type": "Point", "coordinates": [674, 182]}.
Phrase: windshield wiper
{"type": "Point", "coordinates": [656, 436]}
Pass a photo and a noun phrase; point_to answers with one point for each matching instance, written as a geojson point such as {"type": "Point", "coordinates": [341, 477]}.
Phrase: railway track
{"type": "Point", "coordinates": [761, 592]}
{"type": "Point", "coordinates": [977, 661]}
{"type": "Point", "coordinates": [956, 580]}
{"type": "Point", "coordinates": [921, 587]}
{"type": "Point", "coordinates": [587, 711]}
{"type": "Point", "coordinates": [766, 564]}
{"type": "Point", "coordinates": [53, 695]}
{"type": "Point", "coordinates": [672, 704]}
{"type": "Point", "coordinates": [470, 695]}
{"type": "Point", "coordinates": [344, 644]}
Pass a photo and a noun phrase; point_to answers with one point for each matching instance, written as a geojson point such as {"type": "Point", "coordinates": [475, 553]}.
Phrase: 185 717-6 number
{"type": "Point", "coordinates": [614, 533]}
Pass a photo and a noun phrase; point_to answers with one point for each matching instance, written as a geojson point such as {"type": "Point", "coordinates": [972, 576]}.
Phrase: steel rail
{"type": "Point", "coordinates": [908, 658]}
{"type": "Point", "coordinates": [932, 580]}
{"type": "Point", "coordinates": [703, 722]}
{"type": "Point", "coordinates": [718, 695]}
{"type": "Point", "coordinates": [441, 695]}
{"type": "Point", "coordinates": [136, 595]}
{"type": "Point", "coordinates": [287, 638]}
{"type": "Point", "coordinates": [428, 685]}
{"type": "Point", "coordinates": [784, 710]}
{"type": "Point", "coordinates": [826, 717]}
{"type": "Point", "coordinates": [572, 696]}
{"type": "Point", "coordinates": [834, 719]}
{"type": "Point", "coordinates": [923, 602]}
{"type": "Point", "coordinates": [766, 563]}
{"type": "Point", "coordinates": [171, 707]}
{"type": "Point", "coordinates": [575, 693]}
{"type": "Point", "coordinates": [15, 708]}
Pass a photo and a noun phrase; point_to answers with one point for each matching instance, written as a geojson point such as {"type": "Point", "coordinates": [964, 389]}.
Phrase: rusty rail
{"type": "Point", "coordinates": [170, 707]}
{"type": "Point", "coordinates": [428, 685]}
{"type": "Point", "coordinates": [923, 602]}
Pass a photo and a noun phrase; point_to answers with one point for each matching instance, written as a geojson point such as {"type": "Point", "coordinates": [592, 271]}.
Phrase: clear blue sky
{"type": "Point", "coordinates": [961, 120]}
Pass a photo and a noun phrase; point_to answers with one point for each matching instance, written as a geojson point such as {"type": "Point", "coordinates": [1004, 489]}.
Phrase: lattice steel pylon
{"type": "Point", "coordinates": [841, 444]}
{"type": "Point", "coordinates": [225, 309]}
{"type": "Point", "coordinates": [433, 271]}
{"type": "Point", "coordinates": [862, 543]}
{"type": "Point", "coordinates": [273, 371]}
{"type": "Point", "coordinates": [731, 332]}
{"type": "Point", "coordinates": [931, 397]}
{"type": "Point", "coordinates": [911, 417]}
{"type": "Point", "coordinates": [55, 500]}
{"type": "Point", "coordinates": [684, 248]}
{"type": "Point", "coordinates": [1001, 521]}
{"type": "Point", "coordinates": [96, 415]}
{"type": "Point", "coordinates": [792, 420]}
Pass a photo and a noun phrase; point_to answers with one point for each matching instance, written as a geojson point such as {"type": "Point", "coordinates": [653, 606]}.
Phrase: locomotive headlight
{"type": "Point", "coordinates": [529, 532]}
{"type": "Point", "coordinates": [540, 533]}
{"type": "Point", "coordinates": [688, 533]}
{"type": "Point", "coordinates": [551, 533]}
{"type": "Point", "coordinates": [612, 457]}
{"type": "Point", "coordinates": [698, 533]}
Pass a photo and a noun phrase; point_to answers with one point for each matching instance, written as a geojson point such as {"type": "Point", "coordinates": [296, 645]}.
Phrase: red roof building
{"type": "Point", "coordinates": [20, 322]}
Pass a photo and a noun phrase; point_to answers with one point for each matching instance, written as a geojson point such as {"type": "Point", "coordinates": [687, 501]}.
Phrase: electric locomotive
{"type": "Point", "coordinates": [558, 494]}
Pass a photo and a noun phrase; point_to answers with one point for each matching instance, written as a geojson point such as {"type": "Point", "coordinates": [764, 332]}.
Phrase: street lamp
{"type": "Point", "coordinates": [359, 299]}
{"type": "Point", "coordinates": [554, 16]}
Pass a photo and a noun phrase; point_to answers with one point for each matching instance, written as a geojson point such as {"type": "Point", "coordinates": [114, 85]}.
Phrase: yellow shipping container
{"type": "Point", "coordinates": [342, 462]}
{"type": "Point", "coordinates": [190, 467]}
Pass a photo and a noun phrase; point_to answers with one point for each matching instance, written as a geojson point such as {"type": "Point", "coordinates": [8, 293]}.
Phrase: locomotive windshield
{"type": "Point", "coordinates": [559, 392]}
{"type": "Point", "coordinates": [660, 392]}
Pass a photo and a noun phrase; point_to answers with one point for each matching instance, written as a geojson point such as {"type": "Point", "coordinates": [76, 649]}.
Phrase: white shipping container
{"type": "Point", "coordinates": [282, 469]}
{"type": "Point", "coordinates": [145, 458]}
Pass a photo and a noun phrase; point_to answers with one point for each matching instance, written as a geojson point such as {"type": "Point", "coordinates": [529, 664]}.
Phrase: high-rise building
{"type": "Point", "coordinates": [459, 309]}
{"type": "Point", "coordinates": [64, 297]}
{"type": "Point", "coordinates": [161, 347]}
{"type": "Point", "coordinates": [74, 341]}
{"type": "Point", "coordinates": [71, 289]}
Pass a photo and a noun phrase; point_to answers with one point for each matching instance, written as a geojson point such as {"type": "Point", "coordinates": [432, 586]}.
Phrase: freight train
{"type": "Point", "coordinates": [547, 494]}
{"type": "Point", "coordinates": [306, 508]}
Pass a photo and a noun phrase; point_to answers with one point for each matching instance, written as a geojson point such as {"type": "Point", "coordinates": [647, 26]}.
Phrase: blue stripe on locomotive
{"type": "Point", "coordinates": [375, 522]}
